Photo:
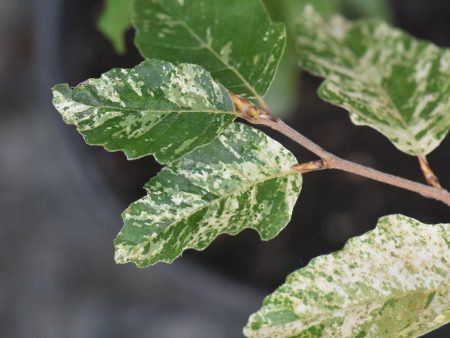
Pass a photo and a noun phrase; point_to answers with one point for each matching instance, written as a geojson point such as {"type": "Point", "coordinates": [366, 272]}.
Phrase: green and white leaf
{"type": "Point", "coordinates": [235, 40]}
{"type": "Point", "coordinates": [155, 108]}
{"type": "Point", "coordinates": [384, 77]}
{"type": "Point", "coordinates": [243, 179]}
{"type": "Point", "coordinates": [390, 282]}
{"type": "Point", "coordinates": [115, 20]}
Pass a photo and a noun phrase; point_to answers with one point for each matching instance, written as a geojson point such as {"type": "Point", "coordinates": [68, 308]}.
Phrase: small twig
{"type": "Point", "coordinates": [428, 173]}
{"type": "Point", "coordinates": [334, 162]}
{"type": "Point", "coordinates": [255, 115]}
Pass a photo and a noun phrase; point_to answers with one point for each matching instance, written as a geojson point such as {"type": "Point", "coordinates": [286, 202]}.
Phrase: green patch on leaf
{"type": "Point", "coordinates": [155, 108]}
{"type": "Point", "coordinates": [243, 179]}
{"type": "Point", "coordinates": [385, 78]}
{"type": "Point", "coordinates": [235, 40]}
{"type": "Point", "coordinates": [390, 282]}
{"type": "Point", "coordinates": [115, 20]}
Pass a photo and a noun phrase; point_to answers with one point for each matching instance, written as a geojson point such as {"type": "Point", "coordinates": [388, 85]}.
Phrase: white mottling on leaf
{"type": "Point", "coordinates": [209, 37]}
{"type": "Point", "coordinates": [241, 180]}
{"type": "Point", "coordinates": [132, 109]}
{"type": "Point", "coordinates": [226, 51]}
{"type": "Point", "coordinates": [390, 282]}
{"type": "Point", "coordinates": [68, 108]}
{"type": "Point", "coordinates": [385, 78]}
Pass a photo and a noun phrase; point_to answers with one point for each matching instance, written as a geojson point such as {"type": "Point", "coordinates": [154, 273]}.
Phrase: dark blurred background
{"type": "Point", "coordinates": [60, 200]}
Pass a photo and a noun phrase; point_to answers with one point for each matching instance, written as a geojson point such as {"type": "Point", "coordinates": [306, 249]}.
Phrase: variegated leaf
{"type": "Point", "coordinates": [235, 40]}
{"type": "Point", "coordinates": [155, 108]}
{"type": "Point", "coordinates": [384, 77]}
{"type": "Point", "coordinates": [241, 180]}
{"type": "Point", "coordinates": [391, 282]}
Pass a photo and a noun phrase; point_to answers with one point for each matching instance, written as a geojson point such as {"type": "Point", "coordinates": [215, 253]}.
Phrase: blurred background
{"type": "Point", "coordinates": [60, 200]}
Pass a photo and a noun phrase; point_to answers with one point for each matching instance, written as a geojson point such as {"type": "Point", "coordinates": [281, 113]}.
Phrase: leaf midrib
{"type": "Point", "coordinates": [157, 111]}
{"type": "Point", "coordinates": [208, 47]}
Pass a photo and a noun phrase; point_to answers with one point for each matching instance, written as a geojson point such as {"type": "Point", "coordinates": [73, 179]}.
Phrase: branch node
{"type": "Point", "coordinates": [248, 111]}
{"type": "Point", "coordinates": [311, 166]}
{"type": "Point", "coordinates": [261, 116]}
{"type": "Point", "coordinates": [428, 173]}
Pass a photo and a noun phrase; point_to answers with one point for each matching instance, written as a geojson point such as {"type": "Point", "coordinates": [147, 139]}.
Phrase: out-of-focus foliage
{"type": "Point", "coordinates": [384, 77]}
{"type": "Point", "coordinates": [115, 20]}
{"type": "Point", "coordinates": [366, 9]}
{"type": "Point", "coordinates": [283, 94]}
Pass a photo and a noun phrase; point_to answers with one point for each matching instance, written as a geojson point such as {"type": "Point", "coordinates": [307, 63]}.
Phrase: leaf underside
{"type": "Point", "coordinates": [235, 40]}
{"type": "Point", "coordinates": [154, 108]}
{"type": "Point", "coordinates": [385, 78]}
{"type": "Point", "coordinates": [241, 180]}
{"type": "Point", "coordinates": [390, 282]}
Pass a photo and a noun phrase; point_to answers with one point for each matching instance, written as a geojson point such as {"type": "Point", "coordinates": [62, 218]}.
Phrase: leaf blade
{"type": "Point", "coordinates": [242, 56]}
{"type": "Point", "coordinates": [390, 282]}
{"type": "Point", "coordinates": [154, 108]}
{"type": "Point", "coordinates": [241, 180]}
{"type": "Point", "coordinates": [385, 78]}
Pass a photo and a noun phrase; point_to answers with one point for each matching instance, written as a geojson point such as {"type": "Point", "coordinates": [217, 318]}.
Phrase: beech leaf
{"type": "Point", "coordinates": [155, 108]}
{"type": "Point", "coordinates": [235, 40]}
{"type": "Point", "coordinates": [390, 282]}
{"type": "Point", "coordinates": [243, 179]}
{"type": "Point", "coordinates": [384, 77]}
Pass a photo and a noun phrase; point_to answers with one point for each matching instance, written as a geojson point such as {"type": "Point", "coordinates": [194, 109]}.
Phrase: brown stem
{"type": "Point", "coordinates": [428, 173]}
{"type": "Point", "coordinates": [255, 115]}
{"type": "Point", "coordinates": [335, 162]}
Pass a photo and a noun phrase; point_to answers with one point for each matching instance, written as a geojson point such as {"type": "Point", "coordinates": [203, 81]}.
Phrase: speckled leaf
{"type": "Point", "coordinates": [115, 20]}
{"type": "Point", "coordinates": [155, 108]}
{"type": "Point", "coordinates": [243, 179]}
{"type": "Point", "coordinates": [391, 282]}
{"type": "Point", "coordinates": [235, 40]}
{"type": "Point", "coordinates": [384, 77]}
